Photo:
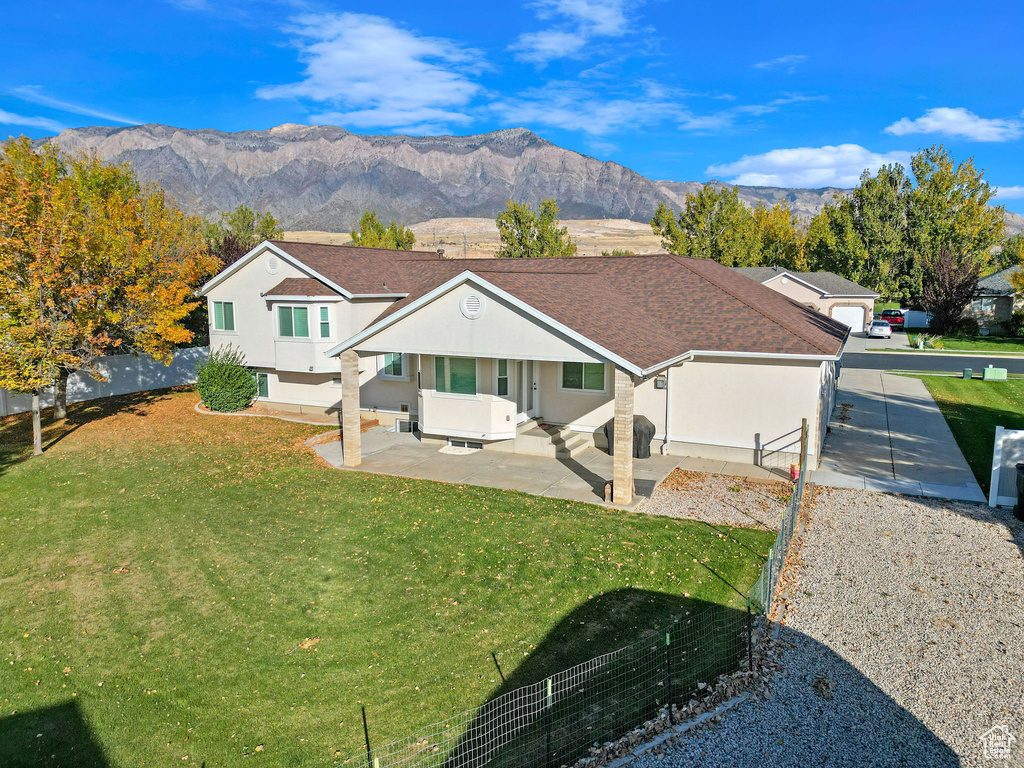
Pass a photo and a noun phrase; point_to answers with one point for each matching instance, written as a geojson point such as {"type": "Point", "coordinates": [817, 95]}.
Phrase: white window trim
{"type": "Point", "coordinates": [277, 323]}
{"type": "Point", "coordinates": [510, 366]}
{"type": "Point", "coordinates": [390, 377]}
{"type": "Point", "coordinates": [455, 395]}
{"type": "Point", "coordinates": [319, 322]}
{"type": "Point", "coordinates": [212, 316]}
{"type": "Point", "coordinates": [604, 391]}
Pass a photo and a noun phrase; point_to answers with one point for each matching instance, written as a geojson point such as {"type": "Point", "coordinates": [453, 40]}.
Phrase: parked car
{"type": "Point", "coordinates": [894, 317]}
{"type": "Point", "coordinates": [879, 329]}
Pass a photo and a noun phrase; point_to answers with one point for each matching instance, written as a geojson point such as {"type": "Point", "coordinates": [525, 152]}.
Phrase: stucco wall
{"type": "Point", "coordinates": [804, 295]}
{"type": "Point", "coordinates": [440, 328]}
{"type": "Point", "coordinates": [255, 323]}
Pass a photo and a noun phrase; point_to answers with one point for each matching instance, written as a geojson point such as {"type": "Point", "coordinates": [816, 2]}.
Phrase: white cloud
{"type": "Point", "coordinates": [726, 119]}
{"type": "Point", "coordinates": [35, 95]}
{"type": "Point", "coordinates": [10, 118]}
{"type": "Point", "coordinates": [572, 106]}
{"type": "Point", "coordinates": [1009, 193]}
{"type": "Point", "coordinates": [788, 63]}
{"type": "Point", "coordinates": [368, 72]}
{"type": "Point", "coordinates": [578, 22]}
{"type": "Point", "coordinates": [812, 167]}
{"type": "Point", "coordinates": [957, 121]}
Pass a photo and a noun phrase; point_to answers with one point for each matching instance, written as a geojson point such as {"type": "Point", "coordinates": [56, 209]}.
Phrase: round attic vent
{"type": "Point", "coordinates": [273, 264]}
{"type": "Point", "coordinates": [472, 306]}
{"type": "Point", "coordinates": [784, 280]}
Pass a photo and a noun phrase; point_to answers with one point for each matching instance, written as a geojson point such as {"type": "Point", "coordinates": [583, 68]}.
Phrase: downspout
{"type": "Point", "coordinates": [668, 404]}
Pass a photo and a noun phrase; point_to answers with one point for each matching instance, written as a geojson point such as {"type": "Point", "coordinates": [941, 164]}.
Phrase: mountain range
{"type": "Point", "coordinates": [324, 177]}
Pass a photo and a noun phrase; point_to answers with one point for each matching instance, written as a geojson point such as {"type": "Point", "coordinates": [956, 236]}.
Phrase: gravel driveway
{"type": "Point", "coordinates": [903, 644]}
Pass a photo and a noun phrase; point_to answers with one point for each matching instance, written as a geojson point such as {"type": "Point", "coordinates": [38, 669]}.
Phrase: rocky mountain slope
{"type": "Point", "coordinates": [324, 177]}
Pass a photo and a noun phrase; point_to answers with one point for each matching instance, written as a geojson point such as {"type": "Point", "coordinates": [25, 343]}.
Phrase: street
{"type": "Point", "coordinates": [923, 361]}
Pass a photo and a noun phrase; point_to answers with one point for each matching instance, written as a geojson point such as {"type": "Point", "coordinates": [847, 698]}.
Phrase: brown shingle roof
{"type": "Point", "coordinates": [301, 286]}
{"type": "Point", "coordinates": [649, 309]}
{"type": "Point", "coordinates": [358, 270]}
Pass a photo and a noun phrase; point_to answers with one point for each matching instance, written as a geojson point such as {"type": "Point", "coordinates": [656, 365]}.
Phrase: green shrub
{"type": "Point", "coordinates": [967, 326]}
{"type": "Point", "coordinates": [1015, 325]}
{"type": "Point", "coordinates": [224, 381]}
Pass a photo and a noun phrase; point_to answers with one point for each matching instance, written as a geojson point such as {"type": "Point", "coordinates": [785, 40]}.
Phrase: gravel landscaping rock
{"type": "Point", "coordinates": [903, 644]}
{"type": "Point", "coordinates": [720, 500]}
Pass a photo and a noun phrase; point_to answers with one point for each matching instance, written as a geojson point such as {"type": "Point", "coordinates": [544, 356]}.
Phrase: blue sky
{"type": "Point", "coordinates": [791, 94]}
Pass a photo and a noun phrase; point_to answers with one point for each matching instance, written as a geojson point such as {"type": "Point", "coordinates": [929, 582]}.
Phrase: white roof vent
{"type": "Point", "coordinates": [472, 306]}
{"type": "Point", "coordinates": [273, 264]}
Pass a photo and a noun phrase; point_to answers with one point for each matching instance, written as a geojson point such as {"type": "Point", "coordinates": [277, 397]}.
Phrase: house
{"type": "Point", "coordinates": [532, 355]}
{"type": "Point", "coordinates": [828, 293]}
{"type": "Point", "coordinates": [995, 301]}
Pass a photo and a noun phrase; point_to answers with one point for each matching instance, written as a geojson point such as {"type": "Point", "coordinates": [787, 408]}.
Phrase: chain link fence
{"type": "Point", "coordinates": [554, 722]}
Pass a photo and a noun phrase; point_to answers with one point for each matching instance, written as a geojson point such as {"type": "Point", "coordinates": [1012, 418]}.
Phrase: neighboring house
{"type": "Point", "coordinates": [996, 300]}
{"type": "Point", "coordinates": [844, 300]}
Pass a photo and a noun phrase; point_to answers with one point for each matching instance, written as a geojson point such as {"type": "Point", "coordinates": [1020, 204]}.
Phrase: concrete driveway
{"type": "Point", "coordinates": [887, 434]}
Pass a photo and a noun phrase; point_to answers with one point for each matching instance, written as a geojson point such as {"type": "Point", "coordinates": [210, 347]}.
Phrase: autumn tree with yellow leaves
{"type": "Point", "coordinates": [91, 263]}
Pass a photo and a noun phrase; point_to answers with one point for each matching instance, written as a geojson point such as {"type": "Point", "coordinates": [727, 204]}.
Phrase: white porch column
{"type": "Point", "coordinates": [622, 451]}
{"type": "Point", "coordinates": [351, 440]}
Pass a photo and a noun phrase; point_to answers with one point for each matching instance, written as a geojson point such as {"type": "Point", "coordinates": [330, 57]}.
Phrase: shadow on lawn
{"type": "Point", "coordinates": [16, 431]}
{"type": "Point", "coordinates": [529, 721]}
{"type": "Point", "coordinates": [56, 737]}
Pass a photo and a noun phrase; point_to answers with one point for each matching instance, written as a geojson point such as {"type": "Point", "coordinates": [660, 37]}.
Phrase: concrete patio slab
{"type": "Point", "coordinates": [582, 478]}
{"type": "Point", "coordinates": [888, 435]}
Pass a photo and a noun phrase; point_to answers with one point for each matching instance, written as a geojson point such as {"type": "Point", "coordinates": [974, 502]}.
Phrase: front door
{"type": "Point", "coordinates": [526, 396]}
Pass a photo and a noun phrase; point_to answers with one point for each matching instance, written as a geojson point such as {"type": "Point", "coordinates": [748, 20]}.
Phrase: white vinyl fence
{"type": "Point", "coordinates": [1007, 451]}
{"type": "Point", "coordinates": [124, 373]}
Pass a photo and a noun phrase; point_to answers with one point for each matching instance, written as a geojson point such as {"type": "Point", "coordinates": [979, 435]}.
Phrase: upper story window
{"type": "Point", "coordinates": [583, 377]}
{"type": "Point", "coordinates": [223, 316]}
{"type": "Point", "coordinates": [293, 322]}
{"type": "Point", "coordinates": [325, 322]}
{"type": "Point", "coordinates": [456, 375]}
{"type": "Point", "coordinates": [394, 366]}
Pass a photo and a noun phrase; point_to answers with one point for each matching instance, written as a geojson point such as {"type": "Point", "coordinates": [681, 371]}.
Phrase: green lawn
{"type": "Point", "coordinates": [977, 343]}
{"type": "Point", "coordinates": [160, 571]}
{"type": "Point", "coordinates": [973, 409]}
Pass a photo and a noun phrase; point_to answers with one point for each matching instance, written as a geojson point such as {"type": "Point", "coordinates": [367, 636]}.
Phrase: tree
{"type": "Point", "coordinates": [949, 211]}
{"type": "Point", "coordinates": [780, 240]}
{"type": "Point", "coordinates": [90, 264]}
{"type": "Point", "coordinates": [879, 207]}
{"type": "Point", "coordinates": [1011, 253]}
{"type": "Point", "coordinates": [714, 224]}
{"type": "Point", "coordinates": [834, 245]}
{"type": "Point", "coordinates": [372, 234]}
{"type": "Point", "coordinates": [951, 284]}
{"type": "Point", "coordinates": [526, 233]}
{"type": "Point", "coordinates": [239, 231]}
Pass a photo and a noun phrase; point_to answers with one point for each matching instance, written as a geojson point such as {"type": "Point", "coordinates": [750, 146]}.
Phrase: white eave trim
{"type": "Point", "coordinates": [469, 276]}
{"type": "Point", "coordinates": [279, 297]}
{"type": "Point", "coordinates": [769, 355]}
{"type": "Point", "coordinates": [266, 245]}
{"type": "Point", "coordinates": [824, 294]}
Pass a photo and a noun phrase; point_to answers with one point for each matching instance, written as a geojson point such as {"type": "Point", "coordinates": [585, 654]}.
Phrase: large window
{"type": "Point", "coordinates": [394, 366]}
{"type": "Point", "coordinates": [585, 377]}
{"type": "Point", "coordinates": [223, 316]}
{"type": "Point", "coordinates": [325, 322]}
{"type": "Point", "coordinates": [502, 378]}
{"type": "Point", "coordinates": [456, 375]}
{"type": "Point", "coordinates": [293, 322]}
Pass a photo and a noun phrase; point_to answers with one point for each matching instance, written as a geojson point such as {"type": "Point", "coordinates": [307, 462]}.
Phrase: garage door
{"type": "Point", "coordinates": [851, 316]}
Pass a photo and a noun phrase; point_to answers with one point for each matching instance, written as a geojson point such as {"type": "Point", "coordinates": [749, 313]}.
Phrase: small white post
{"type": "Point", "coordinates": [997, 460]}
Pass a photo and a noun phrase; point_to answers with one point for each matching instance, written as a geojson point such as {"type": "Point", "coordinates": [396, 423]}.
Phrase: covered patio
{"type": "Point", "coordinates": [579, 478]}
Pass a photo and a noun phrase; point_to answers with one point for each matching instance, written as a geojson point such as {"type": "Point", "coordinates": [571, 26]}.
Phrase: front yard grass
{"type": "Point", "coordinates": [179, 586]}
{"type": "Point", "coordinates": [973, 409]}
{"type": "Point", "coordinates": [976, 343]}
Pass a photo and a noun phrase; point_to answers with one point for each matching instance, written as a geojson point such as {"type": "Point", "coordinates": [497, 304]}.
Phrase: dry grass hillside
{"type": "Point", "coordinates": [478, 238]}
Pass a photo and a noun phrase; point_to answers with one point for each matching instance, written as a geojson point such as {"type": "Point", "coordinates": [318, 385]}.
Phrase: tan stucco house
{"type": "Point", "coordinates": [834, 296]}
{"type": "Point", "coordinates": [531, 355]}
{"type": "Point", "coordinates": [995, 301]}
